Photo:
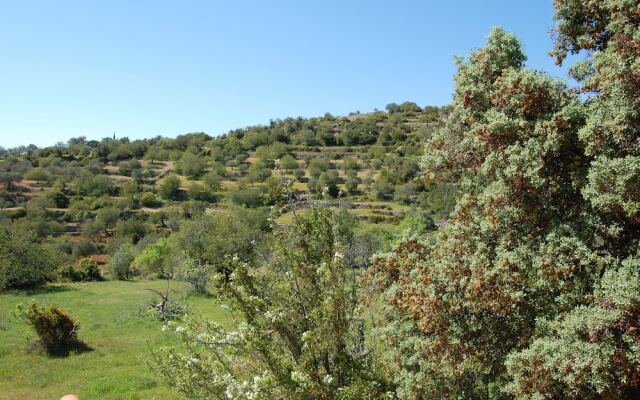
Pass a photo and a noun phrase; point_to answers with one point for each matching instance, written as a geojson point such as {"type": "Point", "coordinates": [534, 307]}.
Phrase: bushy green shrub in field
{"type": "Point", "coordinates": [86, 270]}
{"type": "Point", "coordinates": [150, 200]}
{"type": "Point", "coordinates": [56, 330]}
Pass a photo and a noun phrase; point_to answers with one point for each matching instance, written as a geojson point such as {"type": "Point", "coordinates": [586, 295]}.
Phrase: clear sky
{"type": "Point", "coordinates": [146, 68]}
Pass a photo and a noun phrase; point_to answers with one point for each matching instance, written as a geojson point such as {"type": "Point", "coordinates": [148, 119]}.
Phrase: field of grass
{"type": "Point", "coordinates": [113, 322]}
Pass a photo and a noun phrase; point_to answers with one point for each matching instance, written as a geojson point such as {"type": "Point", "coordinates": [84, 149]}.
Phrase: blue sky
{"type": "Point", "coordinates": [146, 68]}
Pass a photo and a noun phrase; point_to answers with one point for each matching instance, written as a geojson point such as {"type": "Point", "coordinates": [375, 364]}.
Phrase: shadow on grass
{"type": "Point", "coordinates": [79, 347]}
{"type": "Point", "coordinates": [75, 347]}
{"type": "Point", "coordinates": [44, 290]}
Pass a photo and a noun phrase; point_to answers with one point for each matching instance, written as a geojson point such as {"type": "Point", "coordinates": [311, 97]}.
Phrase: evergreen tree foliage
{"type": "Point", "coordinates": [524, 291]}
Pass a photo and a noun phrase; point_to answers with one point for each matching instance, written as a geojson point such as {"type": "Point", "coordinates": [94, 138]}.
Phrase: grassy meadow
{"type": "Point", "coordinates": [113, 322]}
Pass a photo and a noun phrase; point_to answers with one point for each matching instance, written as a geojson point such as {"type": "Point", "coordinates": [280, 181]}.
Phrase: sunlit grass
{"type": "Point", "coordinates": [113, 322]}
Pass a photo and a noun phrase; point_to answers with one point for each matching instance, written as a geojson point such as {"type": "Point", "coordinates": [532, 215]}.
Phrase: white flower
{"type": "Point", "coordinates": [179, 329]}
{"type": "Point", "coordinates": [300, 378]}
{"type": "Point", "coordinates": [327, 379]}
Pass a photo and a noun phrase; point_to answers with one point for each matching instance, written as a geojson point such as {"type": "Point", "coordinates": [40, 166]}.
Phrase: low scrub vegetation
{"type": "Point", "coordinates": [56, 330]}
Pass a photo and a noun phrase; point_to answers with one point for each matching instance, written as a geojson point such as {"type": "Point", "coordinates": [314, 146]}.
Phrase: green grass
{"type": "Point", "coordinates": [113, 322]}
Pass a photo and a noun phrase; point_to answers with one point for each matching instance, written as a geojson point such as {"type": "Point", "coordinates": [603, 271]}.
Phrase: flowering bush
{"type": "Point", "coordinates": [301, 334]}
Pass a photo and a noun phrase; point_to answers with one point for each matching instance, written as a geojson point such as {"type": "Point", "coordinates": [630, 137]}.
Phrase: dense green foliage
{"type": "Point", "coordinates": [300, 334]}
{"type": "Point", "coordinates": [56, 330]}
{"type": "Point", "coordinates": [24, 262]}
{"type": "Point", "coordinates": [530, 289]}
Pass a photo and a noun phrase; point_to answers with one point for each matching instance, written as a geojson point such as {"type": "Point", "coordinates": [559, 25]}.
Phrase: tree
{"type": "Point", "coordinates": [200, 193]}
{"type": "Point", "coordinates": [383, 188]}
{"type": "Point", "coordinates": [352, 185]}
{"type": "Point", "coordinates": [8, 178]}
{"type": "Point", "coordinates": [589, 351]}
{"type": "Point", "coordinates": [250, 197]}
{"type": "Point", "coordinates": [169, 187]}
{"type": "Point", "coordinates": [517, 252]}
{"type": "Point", "coordinates": [192, 165]}
{"type": "Point", "coordinates": [133, 228]}
{"type": "Point", "coordinates": [120, 264]}
{"type": "Point", "coordinates": [298, 173]}
{"type": "Point", "coordinates": [327, 182]}
{"type": "Point", "coordinates": [24, 262]}
{"type": "Point", "coordinates": [288, 163]}
{"type": "Point", "coordinates": [94, 185]}
{"type": "Point", "coordinates": [209, 239]}
{"type": "Point", "coordinates": [156, 259]}
{"type": "Point", "coordinates": [129, 189]}
{"type": "Point", "coordinates": [58, 198]}
{"type": "Point", "coordinates": [38, 174]}
{"type": "Point", "coordinates": [127, 167]}
{"type": "Point", "coordinates": [301, 335]}
{"type": "Point", "coordinates": [213, 181]}
{"type": "Point", "coordinates": [150, 200]}
{"type": "Point", "coordinates": [107, 217]}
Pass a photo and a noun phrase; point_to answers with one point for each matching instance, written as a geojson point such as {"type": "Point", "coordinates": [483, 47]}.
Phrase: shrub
{"type": "Point", "coordinates": [213, 181]}
{"type": "Point", "coordinates": [86, 270]}
{"type": "Point", "coordinates": [83, 248]}
{"type": "Point", "coordinates": [383, 188]}
{"type": "Point", "coordinates": [200, 193]}
{"type": "Point", "coordinates": [301, 334]}
{"type": "Point", "coordinates": [250, 197]}
{"type": "Point", "coordinates": [298, 174]}
{"type": "Point", "coordinates": [350, 164]}
{"type": "Point", "coordinates": [197, 274]}
{"type": "Point", "coordinates": [193, 208]}
{"type": "Point", "coordinates": [90, 270]}
{"type": "Point", "coordinates": [57, 331]}
{"type": "Point", "coordinates": [169, 187]}
{"type": "Point", "coordinates": [150, 200]}
{"type": "Point", "coordinates": [352, 185]}
{"type": "Point", "coordinates": [288, 163]}
{"type": "Point", "coordinates": [135, 228]}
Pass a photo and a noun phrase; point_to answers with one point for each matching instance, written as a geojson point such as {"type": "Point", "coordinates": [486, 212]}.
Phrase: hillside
{"type": "Point", "coordinates": [91, 190]}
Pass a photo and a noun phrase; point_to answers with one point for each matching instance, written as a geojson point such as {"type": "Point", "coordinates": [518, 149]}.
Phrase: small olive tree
{"type": "Point", "coordinates": [120, 265]}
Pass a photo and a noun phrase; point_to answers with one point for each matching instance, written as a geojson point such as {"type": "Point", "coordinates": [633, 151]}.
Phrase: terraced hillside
{"type": "Point", "coordinates": [84, 193]}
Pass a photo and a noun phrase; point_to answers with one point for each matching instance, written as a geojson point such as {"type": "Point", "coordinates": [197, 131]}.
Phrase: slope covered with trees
{"type": "Point", "coordinates": [110, 199]}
